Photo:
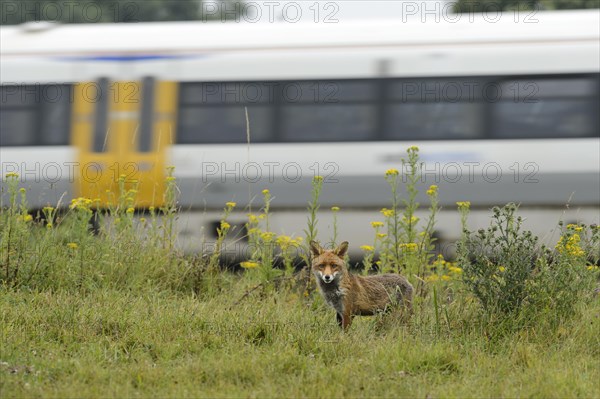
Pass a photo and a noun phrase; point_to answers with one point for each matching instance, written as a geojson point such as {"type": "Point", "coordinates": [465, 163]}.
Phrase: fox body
{"type": "Point", "coordinates": [351, 295]}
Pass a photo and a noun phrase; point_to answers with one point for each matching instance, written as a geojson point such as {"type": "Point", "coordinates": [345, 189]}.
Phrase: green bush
{"type": "Point", "coordinates": [514, 277]}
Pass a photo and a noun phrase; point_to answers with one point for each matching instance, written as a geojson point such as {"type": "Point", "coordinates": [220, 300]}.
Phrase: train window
{"type": "Point", "coordinates": [228, 93]}
{"type": "Point", "coordinates": [101, 116]}
{"type": "Point", "coordinates": [423, 121]}
{"type": "Point", "coordinates": [547, 107]}
{"type": "Point", "coordinates": [448, 90]}
{"type": "Point", "coordinates": [428, 109]}
{"type": "Point", "coordinates": [56, 116]}
{"type": "Point", "coordinates": [344, 110]}
{"type": "Point", "coordinates": [19, 95]}
{"type": "Point", "coordinates": [545, 118]}
{"type": "Point", "coordinates": [224, 124]}
{"type": "Point", "coordinates": [35, 115]}
{"type": "Point", "coordinates": [532, 90]}
{"type": "Point", "coordinates": [328, 122]}
{"type": "Point", "coordinates": [327, 92]}
{"type": "Point", "coordinates": [214, 112]}
{"type": "Point", "coordinates": [17, 127]}
{"type": "Point", "coordinates": [146, 115]}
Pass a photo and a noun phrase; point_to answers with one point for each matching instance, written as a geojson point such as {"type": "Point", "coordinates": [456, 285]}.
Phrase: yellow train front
{"type": "Point", "coordinates": [79, 140]}
{"type": "Point", "coordinates": [122, 130]}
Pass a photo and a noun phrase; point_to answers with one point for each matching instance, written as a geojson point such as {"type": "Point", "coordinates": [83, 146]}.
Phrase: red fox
{"type": "Point", "coordinates": [351, 295]}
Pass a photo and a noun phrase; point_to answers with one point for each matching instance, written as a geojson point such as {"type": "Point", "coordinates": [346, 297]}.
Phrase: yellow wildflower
{"type": "Point", "coordinates": [574, 227]}
{"type": "Point", "coordinates": [28, 218]}
{"type": "Point", "coordinates": [410, 247]}
{"type": "Point", "coordinates": [130, 210]}
{"type": "Point", "coordinates": [381, 235]}
{"type": "Point", "coordinates": [502, 269]}
{"type": "Point", "coordinates": [463, 204]}
{"type": "Point", "coordinates": [392, 172]}
{"type": "Point", "coordinates": [446, 277]}
{"type": "Point", "coordinates": [265, 191]}
{"type": "Point", "coordinates": [49, 225]}
{"type": "Point", "coordinates": [22, 190]}
{"type": "Point", "coordinates": [413, 219]}
{"type": "Point", "coordinates": [12, 174]}
{"type": "Point", "coordinates": [318, 178]}
{"type": "Point", "coordinates": [413, 148]}
{"type": "Point", "coordinates": [170, 178]}
{"type": "Point", "coordinates": [335, 208]}
{"type": "Point", "coordinates": [252, 219]}
{"type": "Point", "coordinates": [230, 204]}
{"type": "Point", "coordinates": [571, 246]}
{"type": "Point", "coordinates": [283, 241]}
{"type": "Point", "coordinates": [225, 225]}
{"type": "Point", "coordinates": [267, 236]}
{"type": "Point", "coordinates": [249, 265]}
{"type": "Point", "coordinates": [72, 245]}
{"type": "Point", "coordinates": [377, 224]}
{"type": "Point", "coordinates": [388, 213]}
{"type": "Point", "coordinates": [432, 279]}
{"type": "Point", "coordinates": [80, 203]}
{"type": "Point", "coordinates": [367, 248]}
{"type": "Point", "coordinates": [433, 189]}
{"type": "Point", "coordinates": [142, 220]}
{"type": "Point", "coordinates": [455, 269]}
{"type": "Point", "coordinates": [151, 209]}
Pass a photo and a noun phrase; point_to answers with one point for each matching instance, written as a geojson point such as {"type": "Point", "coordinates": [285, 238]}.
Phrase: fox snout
{"type": "Point", "coordinates": [328, 277]}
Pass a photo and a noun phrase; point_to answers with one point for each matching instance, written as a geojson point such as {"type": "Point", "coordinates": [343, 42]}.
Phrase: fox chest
{"type": "Point", "coordinates": [334, 296]}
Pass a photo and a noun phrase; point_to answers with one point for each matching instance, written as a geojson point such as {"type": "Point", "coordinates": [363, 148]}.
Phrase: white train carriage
{"type": "Point", "coordinates": [503, 111]}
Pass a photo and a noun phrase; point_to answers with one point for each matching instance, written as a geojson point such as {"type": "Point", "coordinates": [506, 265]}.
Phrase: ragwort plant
{"type": "Point", "coordinates": [58, 250]}
{"type": "Point", "coordinates": [405, 246]}
{"type": "Point", "coordinates": [262, 244]}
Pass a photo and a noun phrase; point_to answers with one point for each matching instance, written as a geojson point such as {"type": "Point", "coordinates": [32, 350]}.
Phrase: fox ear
{"type": "Point", "coordinates": [342, 249]}
{"type": "Point", "coordinates": [315, 248]}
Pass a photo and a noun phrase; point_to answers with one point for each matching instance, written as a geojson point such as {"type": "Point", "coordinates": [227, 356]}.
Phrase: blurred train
{"type": "Point", "coordinates": [501, 111]}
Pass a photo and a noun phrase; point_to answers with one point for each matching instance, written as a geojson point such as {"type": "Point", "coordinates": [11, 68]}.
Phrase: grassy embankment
{"type": "Point", "coordinates": [118, 315]}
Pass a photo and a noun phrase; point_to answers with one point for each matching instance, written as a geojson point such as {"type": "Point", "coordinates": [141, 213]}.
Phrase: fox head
{"type": "Point", "coordinates": [328, 264]}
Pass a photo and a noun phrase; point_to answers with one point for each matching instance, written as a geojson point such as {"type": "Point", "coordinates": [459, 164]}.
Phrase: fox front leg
{"type": "Point", "coordinates": [346, 321]}
{"type": "Point", "coordinates": [338, 317]}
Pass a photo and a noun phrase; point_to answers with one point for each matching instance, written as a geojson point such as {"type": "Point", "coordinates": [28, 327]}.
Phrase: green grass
{"type": "Point", "coordinates": [153, 343]}
{"type": "Point", "coordinates": [125, 314]}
